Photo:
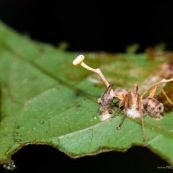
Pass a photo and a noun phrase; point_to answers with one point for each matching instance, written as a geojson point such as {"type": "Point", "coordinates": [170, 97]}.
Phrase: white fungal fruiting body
{"type": "Point", "coordinates": [78, 60]}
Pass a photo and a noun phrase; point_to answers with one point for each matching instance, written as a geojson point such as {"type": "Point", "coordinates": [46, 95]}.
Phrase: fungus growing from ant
{"type": "Point", "coordinates": [133, 104]}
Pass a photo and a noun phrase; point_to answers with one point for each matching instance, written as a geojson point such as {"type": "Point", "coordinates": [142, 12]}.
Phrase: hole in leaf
{"type": "Point", "coordinates": [37, 158]}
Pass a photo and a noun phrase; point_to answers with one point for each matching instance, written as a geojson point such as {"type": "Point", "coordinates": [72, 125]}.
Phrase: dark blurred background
{"type": "Point", "coordinates": [40, 158]}
{"type": "Point", "coordinates": [96, 26]}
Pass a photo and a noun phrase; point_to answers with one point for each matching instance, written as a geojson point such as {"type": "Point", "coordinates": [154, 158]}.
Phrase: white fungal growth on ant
{"type": "Point", "coordinates": [133, 112]}
{"type": "Point", "coordinates": [133, 104]}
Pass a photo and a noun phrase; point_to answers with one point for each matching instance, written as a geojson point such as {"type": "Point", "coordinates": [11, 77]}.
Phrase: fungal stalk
{"type": "Point", "coordinates": [79, 61]}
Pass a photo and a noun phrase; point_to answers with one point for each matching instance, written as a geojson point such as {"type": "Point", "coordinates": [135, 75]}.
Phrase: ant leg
{"type": "Point", "coordinates": [120, 105]}
{"type": "Point", "coordinates": [142, 120]}
{"type": "Point", "coordinates": [124, 103]}
{"type": "Point", "coordinates": [153, 91]}
{"type": "Point", "coordinates": [121, 122]}
{"type": "Point", "coordinates": [140, 107]}
{"type": "Point", "coordinates": [155, 86]}
{"type": "Point", "coordinates": [164, 93]}
{"type": "Point", "coordinates": [136, 89]}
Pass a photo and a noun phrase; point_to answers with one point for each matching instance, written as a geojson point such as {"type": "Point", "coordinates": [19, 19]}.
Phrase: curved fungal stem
{"type": "Point", "coordinates": [79, 61]}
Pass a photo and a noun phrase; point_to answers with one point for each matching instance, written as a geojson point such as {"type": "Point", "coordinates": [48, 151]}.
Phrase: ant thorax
{"type": "Point", "coordinates": [129, 101]}
{"type": "Point", "coordinates": [120, 93]}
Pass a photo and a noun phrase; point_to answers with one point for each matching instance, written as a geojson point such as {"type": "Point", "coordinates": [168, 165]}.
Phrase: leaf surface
{"type": "Point", "coordinates": [46, 100]}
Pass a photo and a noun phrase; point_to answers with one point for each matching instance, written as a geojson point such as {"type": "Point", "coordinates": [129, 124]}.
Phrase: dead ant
{"type": "Point", "coordinates": [134, 104]}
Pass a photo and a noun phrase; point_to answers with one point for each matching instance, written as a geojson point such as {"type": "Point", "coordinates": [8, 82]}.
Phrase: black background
{"type": "Point", "coordinates": [96, 26]}
{"type": "Point", "coordinates": [38, 159]}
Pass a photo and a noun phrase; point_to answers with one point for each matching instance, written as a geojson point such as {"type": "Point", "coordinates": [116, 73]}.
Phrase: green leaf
{"type": "Point", "coordinates": [46, 100]}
